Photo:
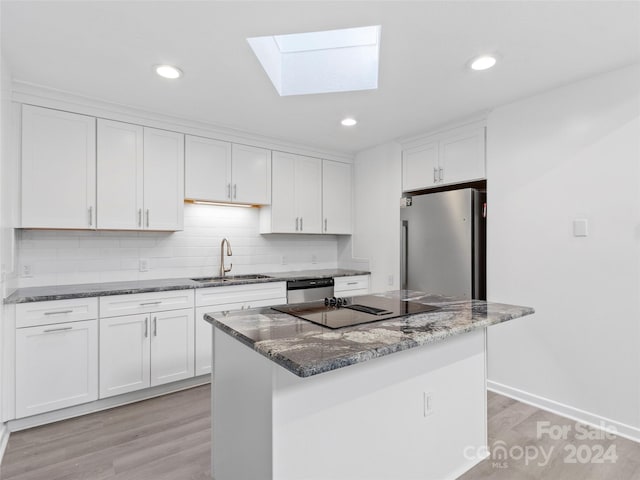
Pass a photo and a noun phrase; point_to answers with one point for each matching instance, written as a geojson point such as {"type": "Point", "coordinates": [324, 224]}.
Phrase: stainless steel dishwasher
{"type": "Point", "coordinates": [309, 289]}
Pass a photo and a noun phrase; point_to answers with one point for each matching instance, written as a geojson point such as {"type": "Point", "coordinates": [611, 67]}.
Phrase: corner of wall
{"type": "Point", "coordinates": [376, 230]}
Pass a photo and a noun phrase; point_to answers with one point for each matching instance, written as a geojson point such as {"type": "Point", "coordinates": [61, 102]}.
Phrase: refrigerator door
{"type": "Point", "coordinates": [437, 243]}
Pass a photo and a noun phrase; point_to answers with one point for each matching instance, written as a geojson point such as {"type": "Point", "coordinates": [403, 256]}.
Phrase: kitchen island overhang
{"type": "Point", "coordinates": [285, 408]}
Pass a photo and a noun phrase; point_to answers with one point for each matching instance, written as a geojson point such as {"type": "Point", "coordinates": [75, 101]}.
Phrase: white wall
{"type": "Point", "coordinates": [65, 257]}
{"type": "Point", "coordinates": [376, 230]}
{"type": "Point", "coordinates": [567, 154]}
{"type": "Point", "coordinates": [8, 194]}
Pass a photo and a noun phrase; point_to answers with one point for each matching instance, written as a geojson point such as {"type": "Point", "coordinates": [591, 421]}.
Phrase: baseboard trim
{"type": "Point", "coordinates": [105, 404]}
{"type": "Point", "coordinates": [623, 430]}
{"type": "Point", "coordinates": [464, 469]}
{"type": "Point", "coordinates": [4, 439]}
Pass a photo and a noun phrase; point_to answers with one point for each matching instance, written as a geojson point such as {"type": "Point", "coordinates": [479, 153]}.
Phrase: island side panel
{"type": "Point", "coordinates": [367, 421]}
{"type": "Point", "coordinates": [241, 411]}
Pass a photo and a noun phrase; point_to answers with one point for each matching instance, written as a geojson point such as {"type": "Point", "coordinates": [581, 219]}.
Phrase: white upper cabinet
{"type": "Point", "coordinates": [336, 197]}
{"type": "Point", "coordinates": [420, 167]}
{"type": "Point", "coordinates": [223, 172]}
{"type": "Point", "coordinates": [250, 174]}
{"type": "Point", "coordinates": [462, 156]}
{"type": "Point", "coordinates": [451, 157]}
{"type": "Point", "coordinates": [207, 169]}
{"type": "Point", "coordinates": [120, 175]}
{"type": "Point", "coordinates": [140, 177]}
{"type": "Point", "coordinates": [308, 186]}
{"type": "Point", "coordinates": [126, 177]}
{"type": "Point", "coordinates": [296, 200]}
{"type": "Point", "coordinates": [163, 180]}
{"type": "Point", "coordinates": [58, 169]}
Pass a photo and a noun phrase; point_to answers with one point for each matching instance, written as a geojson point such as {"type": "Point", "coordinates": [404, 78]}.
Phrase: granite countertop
{"type": "Point", "coordinates": [307, 349]}
{"type": "Point", "coordinates": [63, 292]}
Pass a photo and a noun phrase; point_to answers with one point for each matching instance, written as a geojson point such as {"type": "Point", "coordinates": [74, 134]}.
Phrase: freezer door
{"type": "Point", "coordinates": [437, 243]}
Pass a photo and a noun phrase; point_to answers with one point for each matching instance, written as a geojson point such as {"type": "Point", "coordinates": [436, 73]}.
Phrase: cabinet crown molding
{"type": "Point", "coordinates": [413, 141]}
{"type": "Point", "coordinates": [42, 96]}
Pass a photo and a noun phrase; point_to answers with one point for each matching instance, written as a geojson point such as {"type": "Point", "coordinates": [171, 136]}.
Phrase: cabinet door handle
{"type": "Point", "coordinates": [440, 175]}
{"type": "Point", "coordinates": [301, 227]}
{"type": "Point", "coordinates": [57, 329]}
{"type": "Point", "coordinates": [59, 312]}
{"type": "Point", "coordinates": [229, 191]}
{"type": "Point", "coordinates": [139, 217]}
{"type": "Point", "coordinates": [325, 224]}
{"type": "Point", "coordinates": [297, 222]}
{"type": "Point", "coordinates": [235, 191]}
{"type": "Point", "coordinates": [147, 218]}
{"type": "Point", "coordinates": [151, 303]}
{"type": "Point", "coordinates": [146, 327]}
{"type": "Point", "coordinates": [91, 216]}
{"type": "Point", "coordinates": [155, 326]}
{"type": "Point", "coordinates": [435, 174]}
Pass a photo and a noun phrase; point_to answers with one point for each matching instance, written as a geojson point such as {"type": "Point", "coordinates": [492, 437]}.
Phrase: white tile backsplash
{"type": "Point", "coordinates": [64, 257]}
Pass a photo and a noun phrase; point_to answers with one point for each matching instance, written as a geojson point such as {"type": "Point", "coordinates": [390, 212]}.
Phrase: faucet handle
{"type": "Point", "coordinates": [228, 269]}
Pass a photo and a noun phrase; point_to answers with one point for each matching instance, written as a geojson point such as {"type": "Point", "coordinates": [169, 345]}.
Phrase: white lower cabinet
{"type": "Point", "coordinates": [227, 299]}
{"type": "Point", "coordinates": [56, 366]}
{"type": "Point", "coordinates": [172, 346]}
{"type": "Point", "coordinates": [144, 350]}
{"type": "Point", "coordinates": [351, 286]}
{"type": "Point", "coordinates": [146, 339]}
{"type": "Point", "coordinates": [124, 354]}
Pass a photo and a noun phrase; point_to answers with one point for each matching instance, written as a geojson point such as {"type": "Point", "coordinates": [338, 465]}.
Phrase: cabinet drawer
{"type": "Point", "coordinates": [56, 311]}
{"type": "Point", "coordinates": [117, 305]}
{"type": "Point", "coordinates": [243, 294]}
{"type": "Point", "coordinates": [344, 284]}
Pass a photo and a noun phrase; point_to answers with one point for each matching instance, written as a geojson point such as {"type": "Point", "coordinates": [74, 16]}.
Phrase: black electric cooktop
{"type": "Point", "coordinates": [350, 311]}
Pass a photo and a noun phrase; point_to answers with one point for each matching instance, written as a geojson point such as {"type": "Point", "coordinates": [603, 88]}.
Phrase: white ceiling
{"type": "Point", "coordinates": [106, 49]}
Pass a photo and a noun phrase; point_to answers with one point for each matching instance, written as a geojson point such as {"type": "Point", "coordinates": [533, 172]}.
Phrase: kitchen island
{"type": "Point", "coordinates": [410, 405]}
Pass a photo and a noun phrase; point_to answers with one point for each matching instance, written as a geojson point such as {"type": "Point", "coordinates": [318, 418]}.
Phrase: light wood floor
{"type": "Point", "coordinates": [168, 438]}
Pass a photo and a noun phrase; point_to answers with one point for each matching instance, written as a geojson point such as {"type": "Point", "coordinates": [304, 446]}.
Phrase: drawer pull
{"type": "Point", "coordinates": [151, 303]}
{"type": "Point", "coordinates": [57, 329]}
{"type": "Point", "coordinates": [60, 312]}
{"type": "Point", "coordinates": [352, 283]}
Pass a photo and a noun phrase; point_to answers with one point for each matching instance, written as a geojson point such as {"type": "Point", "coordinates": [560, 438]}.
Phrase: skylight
{"type": "Point", "coordinates": [320, 62]}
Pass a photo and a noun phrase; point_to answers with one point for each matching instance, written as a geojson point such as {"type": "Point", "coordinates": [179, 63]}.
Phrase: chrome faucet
{"type": "Point", "coordinates": [222, 269]}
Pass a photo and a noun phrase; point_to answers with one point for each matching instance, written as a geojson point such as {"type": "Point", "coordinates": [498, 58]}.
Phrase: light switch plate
{"type": "Point", "coordinates": [580, 227]}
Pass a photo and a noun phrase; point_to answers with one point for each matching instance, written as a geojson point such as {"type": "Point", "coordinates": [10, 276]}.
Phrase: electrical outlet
{"type": "Point", "coordinates": [314, 259]}
{"type": "Point", "coordinates": [428, 403]}
{"type": "Point", "coordinates": [27, 270]}
{"type": "Point", "coordinates": [390, 280]}
{"type": "Point", "coordinates": [284, 259]}
{"type": "Point", "coordinates": [143, 265]}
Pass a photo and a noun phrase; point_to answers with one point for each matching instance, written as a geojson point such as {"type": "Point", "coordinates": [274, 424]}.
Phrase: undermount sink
{"type": "Point", "coordinates": [229, 278]}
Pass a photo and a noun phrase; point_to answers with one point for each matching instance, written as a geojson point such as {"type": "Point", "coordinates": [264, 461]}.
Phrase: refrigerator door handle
{"type": "Point", "coordinates": [404, 254]}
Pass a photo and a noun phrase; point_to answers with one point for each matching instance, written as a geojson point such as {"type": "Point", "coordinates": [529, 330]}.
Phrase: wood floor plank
{"type": "Point", "coordinates": [169, 438]}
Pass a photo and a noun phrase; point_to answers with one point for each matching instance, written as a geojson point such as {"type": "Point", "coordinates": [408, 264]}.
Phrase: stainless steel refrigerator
{"type": "Point", "coordinates": [443, 243]}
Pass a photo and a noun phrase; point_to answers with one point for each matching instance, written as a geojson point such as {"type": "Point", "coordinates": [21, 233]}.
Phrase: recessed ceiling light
{"type": "Point", "coordinates": [483, 63]}
{"type": "Point", "coordinates": [348, 122]}
{"type": "Point", "coordinates": [168, 71]}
